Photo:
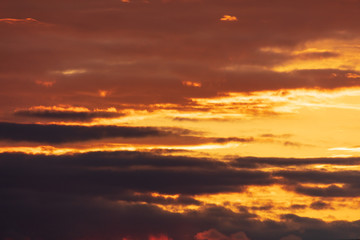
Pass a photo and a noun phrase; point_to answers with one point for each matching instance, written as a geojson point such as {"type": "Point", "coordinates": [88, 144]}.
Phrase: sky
{"type": "Point", "coordinates": [179, 119]}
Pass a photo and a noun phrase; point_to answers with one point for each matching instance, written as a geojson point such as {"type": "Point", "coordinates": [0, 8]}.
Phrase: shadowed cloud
{"type": "Point", "coordinates": [55, 134]}
{"type": "Point", "coordinates": [109, 194]}
{"type": "Point", "coordinates": [112, 173]}
{"type": "Point", "coordinates": [67, 115]}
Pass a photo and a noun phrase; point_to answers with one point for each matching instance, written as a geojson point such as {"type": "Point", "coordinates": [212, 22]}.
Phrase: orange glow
{"type": "Point", "coordinates": [45, 83]}
{"type": "Point", "coordinates": [344, 57]}
{"type": "Point", "coordinates": [69, 72]}
{"type": "Point", "coordinates": [191, 84]}
{"type": "Point", "coordinates": [270, 202]}
{"type": "Point", "coordinates": [61, 108]}
{"type": "Point", "coordinates": [165, 195]}
{"type": "Point", "coordinates": [229, 18]}
{"type": "Point", "coordinates": [104, 93]}
{"type": "Point", "coordinates": [353, 75]}
{"type": "Point", "coordinates": [114, 147]}
{"type": "Point", "coordinates": [15, 20]}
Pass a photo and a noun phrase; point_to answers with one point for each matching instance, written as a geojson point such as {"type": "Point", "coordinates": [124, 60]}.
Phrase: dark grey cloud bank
{"type": "Point", "coordinates": [53, 134]}
{"type": "Point", "coordinates": [106, 195]}
{"type": "Point", "coordinates": [253, 162]}
{"type": "Point", "coordinates": [57, 217]}
{"type": "Point", "coordinates": [67, 115]}
{"type": "Point", "coordinates": [56, 134]}
{"type": "Point", "coordinates": [340, 183]}
{"type": "Point", "coordinates": [109, 174]}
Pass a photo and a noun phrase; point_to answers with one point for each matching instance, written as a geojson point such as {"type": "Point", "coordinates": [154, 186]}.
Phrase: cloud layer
{"type": "Point", "coordinates": [111, 195]}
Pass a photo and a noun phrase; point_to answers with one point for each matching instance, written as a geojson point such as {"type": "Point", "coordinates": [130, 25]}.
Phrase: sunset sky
{"type": "Point", "coordinates": [179, 119]}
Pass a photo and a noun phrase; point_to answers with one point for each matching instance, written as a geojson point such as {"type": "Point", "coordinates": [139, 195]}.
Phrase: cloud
{"type": "Point", "coordinates": [110, 195]}
{"type": "Point", "coordinates": [337, 184]}
{"type": "Point", "coordinates": [45, 83]}
{"type": "Point", "coordinates": [229, 18]}
{"type": "Point", "coordinates": [316, 55]}
{"type": "Point", "coordinates": [319, 205]}
{"type": "Point", "coordinates": [119, 174]}
{"type": "Point", "coordinates": [213, 234]}
{"type": "Point", "coordinates": [253, 162]}
{"type": "Point", "coordinates": [190, 47]}
{"type": "Point", "coordinates": [67, 115]}
{"type": "Point", "coordinates": [158, 52]}
{"type": "Point", "coordinates": [46, 216]}
{"type": "Point", "coordinates": [233, 139]}
{"type": "Point", "coordinates": [191, 84]}
{"type": "Point", "coordinates": [16, 20]}
{"type": "Point", "coordinates": [298, 206]}
{"type": "Point", "coordinates": [56, 134]}
{"type": "Point", "coordinates": [291, 237]}
{"type": "Point", "coordinates": [113, 173]}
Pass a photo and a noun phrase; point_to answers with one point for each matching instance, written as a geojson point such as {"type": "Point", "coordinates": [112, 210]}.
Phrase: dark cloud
{"type": "Point", "coordinates": [60, 134]}
{"type": "Point", "coordinates": [45, 216]}
{"type": "Point", "coordinates": [67, 115]}
{"type": "Point", "coordinates": [339, 183]}
{"type": "Point", "coordinates": [316, 55]}
{"type": "Point", "coordinates": [298, 206]}
{"type": "Point", "coordinates": [325, 177]}
{"type": "Point", "coordinates": [113, 174]}
{"type": "Point", "coordinates": [329, 191]}
{"type": "Point", "coordinates": [110, 174]}
{"type": "Point", "coordinates": [319, 205]}
{"type": "Point", "coordinates": [253, 162]}
{"type": "Point", "coordinates": [108, 195]}
{"type": "Point", "coordinates": [234, 139]}
{"type": "Point", "coordinates": [55, 134]}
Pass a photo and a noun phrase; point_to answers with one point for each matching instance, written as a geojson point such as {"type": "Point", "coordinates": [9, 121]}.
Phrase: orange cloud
{"type": "Point", "coordinates": [229, 18]}
{"type": "Point", "coordinates": [45, 83]}
{"type": "Point", "coordinates": [61, 108]}
{"type": "Point", "coordinates": [103, 93]}
{"type": "Point", "coordinates": [191, 84]}
{"type": "Point", "coordinates": [15, 20]}
{"type": "Point", "coordinates": [352, 75]}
